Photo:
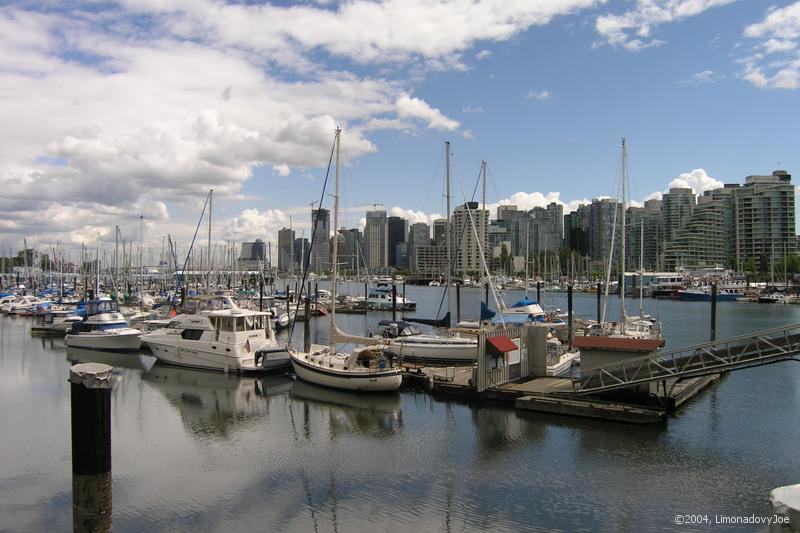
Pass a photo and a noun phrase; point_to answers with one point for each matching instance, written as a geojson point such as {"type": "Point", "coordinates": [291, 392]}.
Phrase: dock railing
{"type": "Point", "coordinates": [743, 351]}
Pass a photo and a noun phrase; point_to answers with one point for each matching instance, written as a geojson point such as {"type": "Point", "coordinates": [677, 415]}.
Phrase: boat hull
{"type": "Point", "coordinates": [442, 352]}
{"type": "Point", "coordinates": [168, 351]}
{"type": "Point", "coordinates": [367, 382]}
{"type": "Point", "coordinates": [126, 339]}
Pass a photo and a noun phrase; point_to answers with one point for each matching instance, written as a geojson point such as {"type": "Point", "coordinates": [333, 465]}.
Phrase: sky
{"type": "Point", "coordinates": [115, 109]}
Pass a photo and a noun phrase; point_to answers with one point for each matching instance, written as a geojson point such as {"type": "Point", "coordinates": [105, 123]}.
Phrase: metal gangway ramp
{"type": "Point", "coordinates": [734, 353]}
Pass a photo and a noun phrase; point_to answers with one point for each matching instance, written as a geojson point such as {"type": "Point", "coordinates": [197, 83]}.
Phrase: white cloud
{"type": "Point", "coordinates": [775, 61]}
{"type": "Point", "coordinates": [467, 134]}
{"type": "Point", "coordinates": [281, 170]}
{"type": "Point", "coordinates": [254, 224]}
{"type": "Point", "coordinates": [483, 54]}
{"type": "Point", "coordinates": [412, 107]}
{"type": "Point", "coordinates": [697, 180]}
{"type": "Point", "coordinates": [632, 30]}
{"type": "Point", "coordinates": [702, 77]}
{"type": "Point", "coordinates": [538, 95]}
{"type": "Point", "coordinates": [414, 216]}
{"type": "Point", "coordinates": [471, 109]}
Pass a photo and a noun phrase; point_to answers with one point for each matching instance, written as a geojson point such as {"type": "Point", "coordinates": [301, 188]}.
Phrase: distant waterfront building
{"type": "Point", "coordinates": [465, 238]}
{"type": "Point", "coordinates": [439, 232]}
{"type": "Point", "coordinates": [401, 255]}
{"type": "Point", "coordinates": [302, 248]}
{"type": "Point", "coordinates": [376, 250]}
{"type": "Point", "coordinates": [254, 251]}
{"type": "Point", "coordinates": [285, 249]}
{"type": "Point", "coordinates": [418, 235]}
{"type": "Point", "coordinates": [702, 241]}
{"type": "Point", "coordinates": [676, 208]}
{"type": "Point", "coordinates": [517, 224]}
{"type": "Point", "coordinates": [431, 261]}
{"type": "Point", "coordinates": [546, 229]}
{"type": "Point", "coordinates": [352, 249]}
{"type": "Point", "coordinates": [765, 219]}
{"type": "Point", "coordinates": [576, 230]}
{"type": "Point", "coordinates": [321, 248]}
{"type": "Point", "coordinates": [603, 214]}
{"type": "Point", "coordinates": [645, 220]}
{"type": "Point", "coordinates": [397, 232]}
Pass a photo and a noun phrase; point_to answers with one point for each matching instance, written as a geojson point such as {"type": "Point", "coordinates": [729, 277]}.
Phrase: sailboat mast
{"type": "Point", "coordinates": [447, 223]}
{"type": "Point", "coordinates": [335, 255]}
{"type": "Point", "coordinates": [622, 239]}
{"type": "Point", "coordinates": [527, 255]}
{"type": "Point", "coordinates": [484, 223]}
{"type": "Point", "coordinates": [141, 264]}
{"type": "Point", "coordinates": [208, 277]}
{"type": "Point", "coordinates": [641, 269]}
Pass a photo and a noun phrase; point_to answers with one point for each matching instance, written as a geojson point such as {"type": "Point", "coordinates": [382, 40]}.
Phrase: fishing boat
{"type": "Point", "coordinates": [703, 294]}
{"type": "Point", "coordinates": [366, 368]}
{"type": "Point", "coordinates": [381, 298]}
{"type": "Point", "coordinates": [104, 328]}
{"type": "Point", "coordinates": [229, 340]}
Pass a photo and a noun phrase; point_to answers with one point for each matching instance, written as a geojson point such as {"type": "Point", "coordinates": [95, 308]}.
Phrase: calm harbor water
{"type": "Point", "coordinates": [203, 451]}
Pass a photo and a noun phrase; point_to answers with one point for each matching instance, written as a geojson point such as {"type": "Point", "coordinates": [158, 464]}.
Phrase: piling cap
{"type": "Point", "coordinates": [91, 375]}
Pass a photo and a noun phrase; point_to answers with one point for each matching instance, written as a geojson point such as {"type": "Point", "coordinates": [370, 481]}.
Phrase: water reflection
{"type": "Point", "coordinates": [214, 403]}
{"type": "Point", "coordinates": [375, 415]}
{"type": "Point", "coordinates": [132, 360]}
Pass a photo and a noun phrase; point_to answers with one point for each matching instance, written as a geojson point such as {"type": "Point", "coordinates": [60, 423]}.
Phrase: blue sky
{"type": "Point", "coordinates": [132, 107]}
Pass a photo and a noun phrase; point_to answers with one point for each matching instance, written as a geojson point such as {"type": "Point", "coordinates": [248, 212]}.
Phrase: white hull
{"type": "Point", "coordinates": [385, 381]}
{"type": "Point", "coordinates": [461, 350]}
{"type": "Point", "coordinates": [197, 356]}
{"type": "Point", "coordinates": [564, 364]}
{"type": "Point", "coordinates": [117, 339]}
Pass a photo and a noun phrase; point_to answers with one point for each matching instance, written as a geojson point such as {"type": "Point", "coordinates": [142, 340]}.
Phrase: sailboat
{"type": "Point", "coordinates": [405, 340]}
{"type": "Point", "coordinates": [626, 333]}
{"type": "Point", "coordinates": [366, 368]}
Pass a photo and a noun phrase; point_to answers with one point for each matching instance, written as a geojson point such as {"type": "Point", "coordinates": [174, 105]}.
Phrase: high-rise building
{"type": "Point", "coordinates": [576, 230]}
{"type": "Point", "coordinates": [603, 215]}
{"type": "Point", "coordinates": [469, 223]}
{"type": "Point", "coordinates": [352, 250]}
{"type": "Point", "coordinates": [418, 235]}
{"type": "Point", "coordinates": [285, 249]}
{"type": "Point", "coordinates": [302, 249]}
{"type": "Point", "coordinates": [397, 232]}
{"type": "Point", "coordinates": [439, 232]}
{"type": "Point", "coordinates": [321, 235]}
{"type": "Point", "coordinates": [376, 250]}
{"type": "Point", "coordinates": [701, 241]}
{"type": "Point", "coordinates": [518, 228]}
{"type": "Point", "coordinates": [643, 221]}
{"type": "Point", "coordinates": [431, 261]}
{"type": "Point", "coordinates": [676, 209]}
{"type": "Point", "coordinates": [254, 251]}
{"type": "Point", "coordinates": [546, 228]}
{"type": "Point", "coordinates": [401, 255]}
{"type": "Point", "coordinates": [765, 219]}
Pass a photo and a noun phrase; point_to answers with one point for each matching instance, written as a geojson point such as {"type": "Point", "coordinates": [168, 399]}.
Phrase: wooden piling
{"type": "Point", "coordinates": [366, 296]}
{"type": "Point", "coordinates": [599, 298]}
{"type": "Point", "coordinates": [538, 291]}
{"type": "Point", "coordinates": [261, 295]}
{"type": "Point", "coordinates": [458, 303]}
{"type": "Point", "coordinates": [307, 326]}
{"type": "Point", "coordinates": [713, 312]}
{"type": "Point", "coordinates": [90, 391]}
{"type": "Point", "coordinates": [570, 328]}
{"type": "Point", "coordinates": [394, 302]}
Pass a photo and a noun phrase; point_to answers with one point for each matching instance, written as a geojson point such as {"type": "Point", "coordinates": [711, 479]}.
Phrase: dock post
{"type": "Point", "coordinates": [394, 302]}
{"type": "Point", "coordinates": [539, 291]}
{"type": "Point", "coordinates": [404, 308]}
{"type": "Point", "coordinates": [713, 312]}
{"type": "Point", "coordinates": [90, 411]}
{"type": "Point", "coordinates": [307, 326]}
{"type": "Point", "coordinates": [570, 331]}
{"type": "Point", "coordinates": [599, 298]}
{"type": "Point", "coordinates": [261, 295]}
{"type": "Point", "coordinates": [486, 294]}
{"type": "Point", "coordinates": [366, 295]}
{"type": "Point", "coordinates": [458, 303]}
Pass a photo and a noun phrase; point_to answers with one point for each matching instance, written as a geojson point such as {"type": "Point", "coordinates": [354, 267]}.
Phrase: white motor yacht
{"type": "Point", "coordinates": [56, 321]}
{"type": "Point", "coordinates": [103, 329]}
{"type": "Point", "coordinates": [230, 340]}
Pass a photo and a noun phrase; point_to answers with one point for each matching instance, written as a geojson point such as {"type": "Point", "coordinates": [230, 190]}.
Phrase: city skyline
{"type": "Point", "coordinates": [112, 123]}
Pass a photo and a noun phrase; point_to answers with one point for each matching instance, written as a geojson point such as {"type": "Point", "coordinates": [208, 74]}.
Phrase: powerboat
{"type": "Point", "coordinates": [230, 340]}
{"type": "Point", "coordinates": [104, 328]}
